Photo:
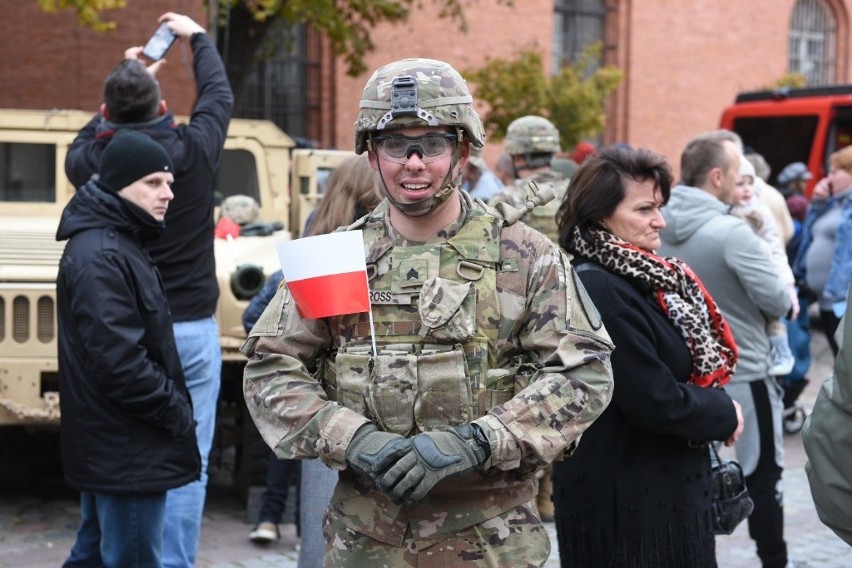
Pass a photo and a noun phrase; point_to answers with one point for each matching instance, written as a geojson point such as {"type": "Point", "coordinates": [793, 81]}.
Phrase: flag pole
{"type": "Point", "coordinates": [370, 315]}
{"type": "Point", "coordinates": [373, 333]}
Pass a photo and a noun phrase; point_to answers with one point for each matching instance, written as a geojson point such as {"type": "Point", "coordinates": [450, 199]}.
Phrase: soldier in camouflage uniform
{"type": "Point", "coordinates": [532, 142]}
{"type": "Point", "coordinates": [491, 360]}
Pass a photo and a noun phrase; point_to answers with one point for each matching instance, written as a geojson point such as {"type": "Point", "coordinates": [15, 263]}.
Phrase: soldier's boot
{"type": "Point", "coordinates": [545, 491]}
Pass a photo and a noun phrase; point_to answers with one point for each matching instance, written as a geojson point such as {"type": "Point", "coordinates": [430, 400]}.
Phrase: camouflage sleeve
{"type": "Point", "coordinates": [573, 384]}
{"type": "Point", "coordinates": [284, 397]}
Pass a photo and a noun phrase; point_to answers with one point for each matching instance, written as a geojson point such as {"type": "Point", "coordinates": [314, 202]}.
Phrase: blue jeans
{"type": "Point", "coordinates": [121, 531]}
{"type": "Point", "coordinates": [279, 477]}
{"type": "Point", "coordinates": [201, 358]}
{"type": "Point", "coordinates": [317, 486]}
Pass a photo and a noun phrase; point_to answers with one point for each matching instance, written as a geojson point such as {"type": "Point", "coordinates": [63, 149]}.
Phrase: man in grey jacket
{"type": "Point", "coordinates": [726, 255]}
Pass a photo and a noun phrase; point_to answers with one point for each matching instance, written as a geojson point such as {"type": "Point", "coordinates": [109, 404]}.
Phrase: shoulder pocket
{"type": "Point", "coordinates": [270, 322]}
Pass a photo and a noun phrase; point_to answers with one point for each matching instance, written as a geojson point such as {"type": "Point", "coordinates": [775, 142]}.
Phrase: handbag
{"type": "Point", "coordinates": [731, 502]}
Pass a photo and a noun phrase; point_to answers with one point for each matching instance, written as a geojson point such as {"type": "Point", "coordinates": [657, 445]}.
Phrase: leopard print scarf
{"type": "Point", "coordinates": [680, 294]}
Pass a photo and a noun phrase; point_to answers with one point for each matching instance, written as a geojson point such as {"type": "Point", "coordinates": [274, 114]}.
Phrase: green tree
{"type": "Point", "coordinates": [88, 11]}
{"type": "Point", "coordinates": [573, 99]}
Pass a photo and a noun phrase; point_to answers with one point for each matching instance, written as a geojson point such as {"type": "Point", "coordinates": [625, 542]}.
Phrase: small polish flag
{"type": "Point", "coordinates": [326, 274]}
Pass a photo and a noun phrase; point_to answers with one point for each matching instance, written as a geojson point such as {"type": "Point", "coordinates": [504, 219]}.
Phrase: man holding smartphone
{"type": "Point", "coordinates": [184, 251]}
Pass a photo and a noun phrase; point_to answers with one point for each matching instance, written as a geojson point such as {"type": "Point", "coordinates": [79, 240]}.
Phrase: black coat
{"type": "Point", "coordinates": [127, 424]}
{"type": "Point", "coordinates": [637, 491]}
{"type": "Point", "coordinates": [184, 252]}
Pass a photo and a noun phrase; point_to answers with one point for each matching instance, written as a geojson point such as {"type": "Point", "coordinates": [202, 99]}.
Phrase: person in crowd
{"type": "Point", "coordinates": [478, 179]}
{"type": "Point", "coordinates": [351, 193]}
{"type": "Point", "coordinates": [728, 256]}
{"type": "Point", "coordinates": [793, 179]}
{"type": "Point", "coordinates": [532, 142]}
{"type": "Point", "coordinates": [564, 165]}
{"type": "Point", "coordinates": [770, 196]}
{"type": "Point", "coordinates": [828, 440]}
{"type": "Point", "coordinates": [504, 170]}
{"type": "Point", "coordinates": [647, 500]}
{"type": "Point", "coordinates": [823, 262]}
{"type": "Point", "coordinates": [582, 150]}
{"type": "Point", "coordinates": [798, 329]}
{"type": "Point", "coordinates": [490, 360]}
{"type": "Point", "coordinates": [745, 205]}
{"type": "Point", "coordinates": [184, 253]}
{"type": "Point", "coordinates": [127, 431]}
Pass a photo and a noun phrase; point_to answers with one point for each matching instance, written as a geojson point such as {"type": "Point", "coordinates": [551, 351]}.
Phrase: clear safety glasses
{"type": "Point", "coordinates": [430, 147]}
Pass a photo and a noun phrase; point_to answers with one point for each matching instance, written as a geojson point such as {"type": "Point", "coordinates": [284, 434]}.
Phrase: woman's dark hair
{"type": "Point", "coordinates": [598, 186]}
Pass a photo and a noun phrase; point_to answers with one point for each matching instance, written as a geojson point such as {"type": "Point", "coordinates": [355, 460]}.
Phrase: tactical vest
{"type": "Point", "coordinates": [436, 312]}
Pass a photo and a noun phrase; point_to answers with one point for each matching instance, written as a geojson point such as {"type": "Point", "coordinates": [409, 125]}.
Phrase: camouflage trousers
{"type": "Point", "coordinates": [515, 539]}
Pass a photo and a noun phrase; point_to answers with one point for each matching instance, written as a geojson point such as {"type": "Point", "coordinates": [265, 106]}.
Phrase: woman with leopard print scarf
{"type": "Point", "coordinates": [637, 492]}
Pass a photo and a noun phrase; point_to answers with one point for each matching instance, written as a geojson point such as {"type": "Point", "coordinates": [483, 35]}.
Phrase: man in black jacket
{"type": "Point", "coordinates": [127, 429]}
{"type": "Point", "coordinates": [184, 253]}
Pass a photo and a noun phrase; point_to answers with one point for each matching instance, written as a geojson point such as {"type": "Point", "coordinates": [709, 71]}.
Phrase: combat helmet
{"type": "Point", "coordinates": [418, 92]}
{"type": "Point", "coordinates": [532, 135]}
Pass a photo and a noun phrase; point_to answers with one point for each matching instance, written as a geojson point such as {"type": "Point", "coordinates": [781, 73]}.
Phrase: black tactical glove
{"type": "Point", "coordinates": [434, 456]}
{"type": "Point", "coordinates": [371, 451]}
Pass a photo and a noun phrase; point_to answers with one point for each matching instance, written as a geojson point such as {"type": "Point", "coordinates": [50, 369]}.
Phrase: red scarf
{"type": "Point", "coordinates": [681, 295]}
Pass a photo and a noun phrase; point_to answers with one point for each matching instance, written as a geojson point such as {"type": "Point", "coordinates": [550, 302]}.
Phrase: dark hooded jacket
{"type": "Point", "coordinates": [127, 424]}
{"type": "Point", "coordinates": [184, 253]}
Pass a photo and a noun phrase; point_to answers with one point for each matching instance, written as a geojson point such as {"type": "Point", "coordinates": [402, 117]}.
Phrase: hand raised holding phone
{"type": "Point", "coordinates": [159, 43]}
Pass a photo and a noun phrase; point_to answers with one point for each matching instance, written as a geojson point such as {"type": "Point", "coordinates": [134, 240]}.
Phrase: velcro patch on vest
{"type": "Point", "coordinates": [412, 273]}
{"type": "Point", "coordinates": [385, 297]}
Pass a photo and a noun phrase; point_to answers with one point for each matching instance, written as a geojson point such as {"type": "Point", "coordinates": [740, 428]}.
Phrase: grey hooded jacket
{"type": "Point", "coordinates": [727, 256]}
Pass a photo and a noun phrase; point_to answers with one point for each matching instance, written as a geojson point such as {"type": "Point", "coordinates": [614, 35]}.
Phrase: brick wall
{"type": "Point", "coordinates": [494, 31]}
{"type": "Point", "coordinates": [684, 61]}
{"type": "Point", "coordinates": [48, 61]}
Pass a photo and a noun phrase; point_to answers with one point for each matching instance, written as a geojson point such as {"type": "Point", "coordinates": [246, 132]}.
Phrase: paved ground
{"type": "Point", "coordinates": [37, 529]}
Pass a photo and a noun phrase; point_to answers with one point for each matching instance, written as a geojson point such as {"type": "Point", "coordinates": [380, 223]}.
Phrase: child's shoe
{"type": "Point", "coordinates": [781, 358]}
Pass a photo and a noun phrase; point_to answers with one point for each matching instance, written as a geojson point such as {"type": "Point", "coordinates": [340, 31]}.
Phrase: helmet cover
{"type": "Point", "coordinates": [532, 135]}
{"type": "Point", "coordinates": [417, 92]}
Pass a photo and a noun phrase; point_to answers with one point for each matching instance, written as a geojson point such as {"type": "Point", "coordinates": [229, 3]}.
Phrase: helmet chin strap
{"type": "Point", "coordinates": [427, 204]}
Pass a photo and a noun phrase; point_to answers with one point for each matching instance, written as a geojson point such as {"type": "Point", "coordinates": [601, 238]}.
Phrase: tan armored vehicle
{"type": "Point", "coordinates": [259, 161]}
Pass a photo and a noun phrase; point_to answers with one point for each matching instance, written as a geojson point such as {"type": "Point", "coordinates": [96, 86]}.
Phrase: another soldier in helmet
{"type": "Point", "coordinates": [532, 142]}
{"type": "Point", "coordinates": [490, 361]}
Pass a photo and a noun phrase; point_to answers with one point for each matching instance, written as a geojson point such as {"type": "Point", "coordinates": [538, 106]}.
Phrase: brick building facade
{"type": "Point", "coordinates": [683, 61]}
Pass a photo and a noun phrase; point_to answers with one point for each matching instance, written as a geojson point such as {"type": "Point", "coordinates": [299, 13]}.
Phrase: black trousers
{"type": "Point", "coordinates": [829, 322]}
{"type": "Point", "coordinates": [766, 523]}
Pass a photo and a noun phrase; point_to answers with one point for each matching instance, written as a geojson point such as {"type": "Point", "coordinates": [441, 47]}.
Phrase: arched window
{"type": "Point", "coordinates": [576, 24]}
{"type": "Point", "coordinates": [813, 42]}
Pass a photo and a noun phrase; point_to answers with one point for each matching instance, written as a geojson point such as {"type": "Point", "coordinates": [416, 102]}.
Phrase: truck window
{"type": "Point", "coordinates": [27, 172]}
{"type": "Point", "coordinates": [839, 133]}
{"type": "Point", "coordinates": [237, 175]}
{"type": "Point", "coordinates": [780, 139]}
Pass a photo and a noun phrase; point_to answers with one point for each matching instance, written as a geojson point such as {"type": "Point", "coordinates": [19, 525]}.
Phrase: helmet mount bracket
{"type": "Point", "coordinates": [404, 103]}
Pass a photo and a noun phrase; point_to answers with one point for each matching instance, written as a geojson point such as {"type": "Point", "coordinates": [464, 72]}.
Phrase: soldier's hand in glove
{"type": "Point", "coordinates": [450, 451]}
{"type": "Point", "coordinates": [372, 451]}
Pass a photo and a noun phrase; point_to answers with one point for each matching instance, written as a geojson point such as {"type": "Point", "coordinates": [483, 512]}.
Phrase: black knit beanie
{"type": "Point", "coordinates": [129, 157]}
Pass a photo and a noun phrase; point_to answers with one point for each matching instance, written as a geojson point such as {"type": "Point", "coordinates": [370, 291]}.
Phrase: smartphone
{"type": "Point", "coordinates": [159, 43]}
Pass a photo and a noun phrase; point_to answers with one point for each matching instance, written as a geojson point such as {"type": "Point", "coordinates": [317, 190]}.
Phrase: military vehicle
{"type": "Point", "coordinates": [259, 161]}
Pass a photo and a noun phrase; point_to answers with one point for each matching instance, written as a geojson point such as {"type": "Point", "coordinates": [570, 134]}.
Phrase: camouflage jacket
{"type": "Point", "coordinates": [544, 359]}
{"type": "Point", "coordinates": [543, 217]}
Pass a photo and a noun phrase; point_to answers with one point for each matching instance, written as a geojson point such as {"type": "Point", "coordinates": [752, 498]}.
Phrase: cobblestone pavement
{"type": "Point", "coordinates": [37, 531]}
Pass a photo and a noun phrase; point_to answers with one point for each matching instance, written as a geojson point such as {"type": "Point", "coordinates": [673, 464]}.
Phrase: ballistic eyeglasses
{"type": "Point", "coordinates": [430, 147]}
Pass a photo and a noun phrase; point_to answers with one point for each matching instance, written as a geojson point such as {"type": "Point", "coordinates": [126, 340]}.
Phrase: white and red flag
{"type": "Point", "coordinates": [326, 274]}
